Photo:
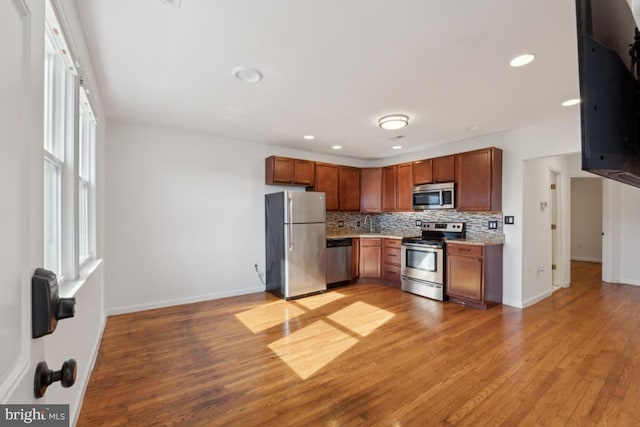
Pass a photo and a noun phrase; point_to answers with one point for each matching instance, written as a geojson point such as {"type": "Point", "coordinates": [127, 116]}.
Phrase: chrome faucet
{"type": "Point", "coordinates": [370, 223]}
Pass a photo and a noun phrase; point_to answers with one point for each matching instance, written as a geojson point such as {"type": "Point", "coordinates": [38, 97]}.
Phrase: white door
{"type": "Point", "coordinates": [14, 281]}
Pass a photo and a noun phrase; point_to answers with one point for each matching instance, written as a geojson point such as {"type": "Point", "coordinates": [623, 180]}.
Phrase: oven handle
{"type": "Point", "coordinates": [427, 248]}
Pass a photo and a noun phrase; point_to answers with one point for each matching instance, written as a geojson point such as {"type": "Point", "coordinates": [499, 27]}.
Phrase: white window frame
{"type": "Point", "coordinates": [69, 122]}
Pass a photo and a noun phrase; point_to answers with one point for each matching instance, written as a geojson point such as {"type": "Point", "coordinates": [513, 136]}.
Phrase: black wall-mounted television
{"type": "Point", "coordinates": [609, 90]}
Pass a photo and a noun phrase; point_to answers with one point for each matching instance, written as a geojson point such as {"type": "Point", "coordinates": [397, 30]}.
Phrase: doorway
{"type": "Point", "coordinates": [586, 219]}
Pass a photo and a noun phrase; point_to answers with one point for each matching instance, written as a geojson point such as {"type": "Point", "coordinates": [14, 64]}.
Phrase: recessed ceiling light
{"type": "Point", "coordinates": [309, 137]}
{"type": "Point", "coordinates": [337, 147]}
{"type": "Point", "coordinates": [473, 128]}
{"type": "Point", "coordinates": [521, 60]}
{"type": "Point", "coordinates": [393, 121]}
{"type": "Point", "coordinates": [570, 102]}
{"type": "Point", "coordinates": [247, 74]}
{"type": "Point", "coordinates": [397, 147]}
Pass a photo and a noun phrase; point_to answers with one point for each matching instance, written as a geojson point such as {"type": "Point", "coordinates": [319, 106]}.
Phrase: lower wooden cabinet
{"type": "Point", "coordinates": [355, 258]}
{"type": "Point", "coordinates": [391, 253]}
{"type": "Point", "coordinates": [474, 274]}
{"type": "Point", "coordinates": [370, 258]}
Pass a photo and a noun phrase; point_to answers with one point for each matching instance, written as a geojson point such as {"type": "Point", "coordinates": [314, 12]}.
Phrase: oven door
{"type": "Point", "coordinates": [422, 262]}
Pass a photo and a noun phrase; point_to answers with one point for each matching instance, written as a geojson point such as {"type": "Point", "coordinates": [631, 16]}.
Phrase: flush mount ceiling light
{"type": "Point", "coordinates": [393, 121]}
{"type": "Point", "coordinates": [570, 102]}
{"type": "Point", "coordinates": [397, 147]}
{"type": "Point", "coordinates": [247, 74]}
{"type": "Point", "coordinates": [337, 147]}
{"type": "Point", "coordinates": [522, 60]}
{"type": "Point", "coordinates": [309, 137]}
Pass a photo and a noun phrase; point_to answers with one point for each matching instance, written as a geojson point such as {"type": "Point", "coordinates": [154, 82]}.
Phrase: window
{"type": "Point", "coordinates": [69, 140]}
{"type": "Point", "coordinates": [87, 134]}
{"type": "Point", "coordinates": [57, 86]}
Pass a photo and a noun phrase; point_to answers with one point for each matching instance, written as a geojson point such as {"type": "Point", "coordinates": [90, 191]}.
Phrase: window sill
{"type": "Point", "coordinates": [69, 288]}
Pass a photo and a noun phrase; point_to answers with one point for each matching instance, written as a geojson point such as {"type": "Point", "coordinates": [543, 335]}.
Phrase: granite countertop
{"type": "Point", "coordinates": [497, 239]}
{"type": "Point", "coordinates": [385, 234]}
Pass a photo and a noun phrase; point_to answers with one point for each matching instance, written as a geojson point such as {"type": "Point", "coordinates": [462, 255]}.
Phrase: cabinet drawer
{"type": "Point", "coordinates": [392, 273]}
{"type": "Point", "coordinates": [464, 250]}
{"type": "Point", "coordinates": [371, 242]}
{"type": "Point", "coordinates": [392, 243]}
{"type": "Point", "coordinates": [391, 255]}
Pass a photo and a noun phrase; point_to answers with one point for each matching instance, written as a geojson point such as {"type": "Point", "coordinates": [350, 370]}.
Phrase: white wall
{"type": "Point", "coordinates": [537, 240]}
{"type": "Point", "coordinates": [186, 216]}
{"type": "Point", "coordinates": [586, 219]}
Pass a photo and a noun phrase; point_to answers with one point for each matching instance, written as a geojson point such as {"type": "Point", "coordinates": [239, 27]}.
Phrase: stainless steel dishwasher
{"type": "Point", "coordinates": [338, 260]}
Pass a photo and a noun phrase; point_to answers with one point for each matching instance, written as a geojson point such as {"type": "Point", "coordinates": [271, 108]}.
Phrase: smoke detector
{"type": "Point", "coordinates": [247, 74]}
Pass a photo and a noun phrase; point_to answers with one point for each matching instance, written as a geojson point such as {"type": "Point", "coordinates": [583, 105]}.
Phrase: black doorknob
{"type": "Point", "coordinates": [45, 376]}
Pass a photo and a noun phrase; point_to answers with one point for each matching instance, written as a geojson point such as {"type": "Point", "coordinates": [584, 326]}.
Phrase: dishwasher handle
{"type": "Point", "coordinates": [337, 243]}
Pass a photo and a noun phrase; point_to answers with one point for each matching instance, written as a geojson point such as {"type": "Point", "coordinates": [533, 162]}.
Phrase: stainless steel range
{"type": "Point", "coordinates": [423, 259]}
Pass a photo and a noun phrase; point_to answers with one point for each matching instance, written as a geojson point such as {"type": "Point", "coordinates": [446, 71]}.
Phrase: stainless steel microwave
{"type": "Point", "coordinates": [434, 196]}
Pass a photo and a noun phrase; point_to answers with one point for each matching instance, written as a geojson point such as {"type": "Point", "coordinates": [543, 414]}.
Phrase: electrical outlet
{"type": "Point", "coordinates": [508, 220]}
{"type": "Point", "coordinates": [493, 225]}
{"type": "Point", "coordinates": [357, 223]}
{"type": "Point", "coordinates": [340, 223]}
{"type": "Point", "coordinates": [418, 223]}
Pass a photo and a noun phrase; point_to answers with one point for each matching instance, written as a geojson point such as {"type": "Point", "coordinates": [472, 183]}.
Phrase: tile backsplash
{"type": "Point", "coordinates": [477, 223]}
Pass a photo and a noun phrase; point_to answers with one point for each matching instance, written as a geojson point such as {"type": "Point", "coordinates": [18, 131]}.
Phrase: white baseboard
{"type": "Point", "coordinates": [530, 301]}
{"type": "Point", "coordinates": [585, 259]}
{"type": "Point", "coordinates": [512, 303]}
{"type": "Point", "coordinates": [180, 301]}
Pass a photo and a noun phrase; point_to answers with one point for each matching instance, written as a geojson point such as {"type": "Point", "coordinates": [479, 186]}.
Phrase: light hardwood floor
{"type": "Point", "coordinates": [369, 355]}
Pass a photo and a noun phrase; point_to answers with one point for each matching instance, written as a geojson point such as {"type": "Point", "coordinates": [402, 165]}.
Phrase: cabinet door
{"type": "Point", "coordinates": [464, 277]}
{"type": "Point", "coordinates": [349, 192]}
{"type": "Point", "coordinates": [303, 172]}
{"type": "Point", "coordinates": [327, 181]}
{"type": "Point", "coordinates": [422, 172]}
{"type": "Point", "coordinates": [404, 187]}
{"type": "Point", "coordinates": [355, 258]}
{"type": "Point", "coordinates": [389, 189]}
{"type": "Point", "coordinates": [444, 169]}
{"type": "Point", "coordinates": [371, 190]}
{"type": "Point", "coordinates": [278, 170]}
{"type": "Point", "coordinates": [370, 261]}
{"type": "Point", "coordinates": [479, 180]}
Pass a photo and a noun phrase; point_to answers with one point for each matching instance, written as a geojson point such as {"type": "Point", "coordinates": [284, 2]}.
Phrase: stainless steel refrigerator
{"type": "Point", "coordinates": [295, 243]}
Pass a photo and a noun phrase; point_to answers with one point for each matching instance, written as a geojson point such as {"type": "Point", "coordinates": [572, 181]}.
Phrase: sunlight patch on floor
{"type": "Point", "coordinates": [266, 316]}
{"type": "Point", "coordinates": [309, 349]}
{"type": "Point", "coordinates": [316, 301]}
{"type": "Point", "coordinates": [361, 318]}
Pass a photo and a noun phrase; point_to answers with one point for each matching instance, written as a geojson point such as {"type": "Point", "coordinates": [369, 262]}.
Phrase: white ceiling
{"type": "Point", "coordinates": [333, 67]}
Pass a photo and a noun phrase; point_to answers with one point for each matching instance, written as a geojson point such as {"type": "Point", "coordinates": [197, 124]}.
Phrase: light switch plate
{"type": "Point", "coordinates": [418, 222]}
{"type": "Point", "coordinates": [340, 223]}
{"type": "Point", "coordinates": [508, 220]}
{"type": "Point", "coordinates": [493, 225]}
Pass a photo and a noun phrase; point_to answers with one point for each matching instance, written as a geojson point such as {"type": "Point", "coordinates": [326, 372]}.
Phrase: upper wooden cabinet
{"type": "Point", "coordinates": [286, 171]}
{"type": "Point", "coordinates": [404, 187]}
{"type": "Point", "coordinates": [371, 190]}
{"type": "Point", "coordinates": [479, 180]}
{"type": "Point", "coordinates": [349, 191]}
{"type": "Point", "coordinates": [444, 169]}
{"type": "Point", "coordinates": [397, 188]}
{"type": "Point", "coordinates": [422, 172]}
{"type": "Point", "coordinates": [431, 171]}
{"type": "Point", "coordinates": [389, 189]}
{"type": "Point", "coordinates": [327, 182]}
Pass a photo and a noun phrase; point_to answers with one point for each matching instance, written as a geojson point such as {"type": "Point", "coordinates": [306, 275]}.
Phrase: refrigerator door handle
{"type": "Point", "coordinates": [290, 224]}
{"type": "Point", "coordinates": [290, 237]}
